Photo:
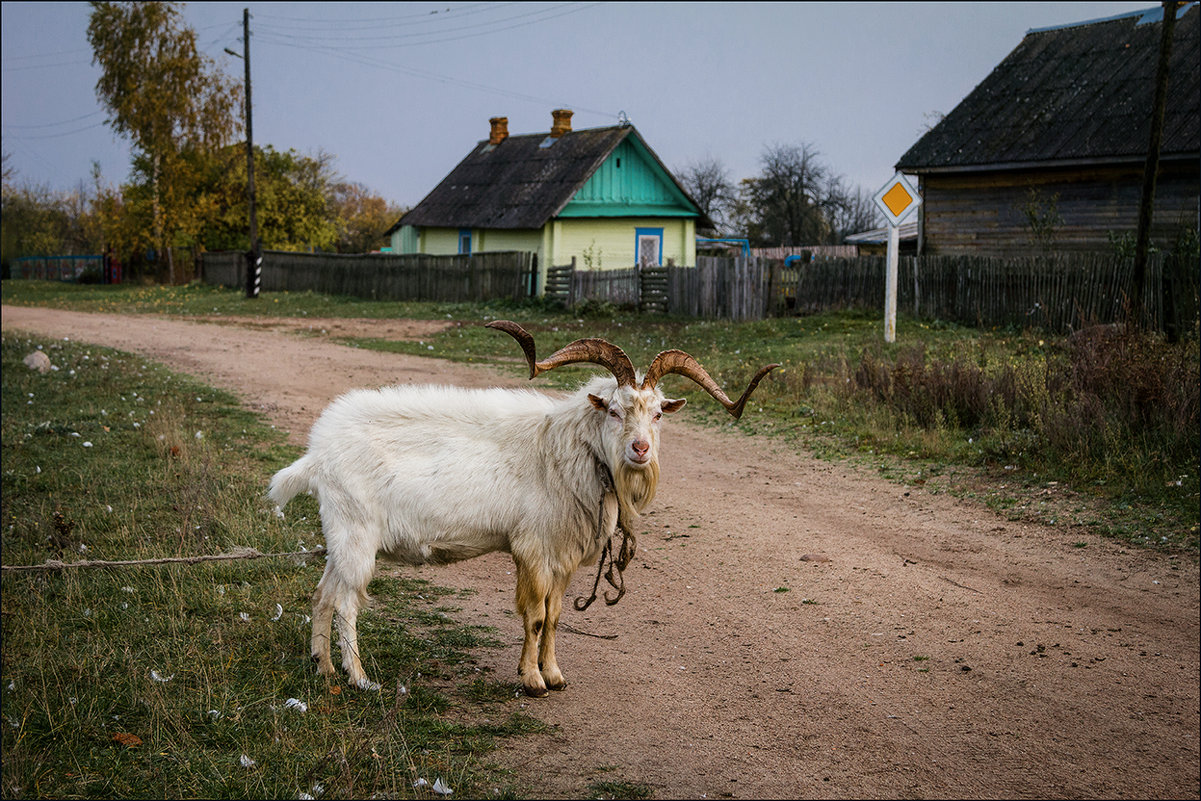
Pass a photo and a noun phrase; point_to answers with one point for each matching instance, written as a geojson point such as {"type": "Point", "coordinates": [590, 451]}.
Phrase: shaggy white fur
{"type": "Point", "coordinates": [436, 474]}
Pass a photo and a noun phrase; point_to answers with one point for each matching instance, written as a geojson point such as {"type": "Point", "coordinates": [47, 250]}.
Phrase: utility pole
{"type": "Point", "coordinates": [254, 259]}
{"type": "Point", "coordinates": [1146, 206]}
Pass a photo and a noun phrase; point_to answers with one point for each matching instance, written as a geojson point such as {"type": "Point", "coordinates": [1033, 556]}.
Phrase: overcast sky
{"type": "Point", "coordinates": [400, 92]}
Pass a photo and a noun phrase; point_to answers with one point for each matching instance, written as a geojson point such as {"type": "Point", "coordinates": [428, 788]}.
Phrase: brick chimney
{"type": "Point", "coordinates": [500, 130]}
{"type": "Point", "coordinates": [562, 123]}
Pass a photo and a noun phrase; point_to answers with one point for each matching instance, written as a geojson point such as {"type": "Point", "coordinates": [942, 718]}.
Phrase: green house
{"type": "Point", "coordinates": [600, 195]}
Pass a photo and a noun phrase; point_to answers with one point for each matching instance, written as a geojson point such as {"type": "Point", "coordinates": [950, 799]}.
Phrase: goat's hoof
{"type": "Point", "coordinates": [536, 692]}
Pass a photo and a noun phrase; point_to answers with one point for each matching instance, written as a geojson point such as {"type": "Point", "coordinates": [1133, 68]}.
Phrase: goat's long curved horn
{"type": "Point", "coordinates": [679, 362]}
{"type": "Point", "coordinates": [596, 351]}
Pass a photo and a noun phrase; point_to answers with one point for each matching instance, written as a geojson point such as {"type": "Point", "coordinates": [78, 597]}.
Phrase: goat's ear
{"type": "Point", "coordinates": [669, 406]}
{"type": "Point", "coordinates": [598, 403]}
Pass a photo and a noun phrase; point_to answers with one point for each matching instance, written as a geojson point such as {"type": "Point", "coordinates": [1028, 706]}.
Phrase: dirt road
{"type": "Point", "coordinates": [793, 628]}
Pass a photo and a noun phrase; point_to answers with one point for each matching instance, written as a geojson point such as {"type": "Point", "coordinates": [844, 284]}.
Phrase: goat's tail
{"type": "Point", "coordinates": [291, 481]}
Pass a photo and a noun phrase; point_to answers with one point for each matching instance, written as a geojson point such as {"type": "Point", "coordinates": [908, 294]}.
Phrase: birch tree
{"type": "Point", "coordinates": [165, 96]}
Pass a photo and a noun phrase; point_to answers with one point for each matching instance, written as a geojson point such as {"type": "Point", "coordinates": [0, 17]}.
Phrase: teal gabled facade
{"type": "Point", "coordinates": [629, 182]}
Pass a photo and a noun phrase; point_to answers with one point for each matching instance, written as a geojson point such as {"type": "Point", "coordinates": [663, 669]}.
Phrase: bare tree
{"type": "Point", "coordinates": [786, 203]}
{"type": "Point", "coordinates": [851, 211]}
{"type": "Point", "coordinates": [707, 180]}
{"type": "Point", "coordinates": [797, 199]}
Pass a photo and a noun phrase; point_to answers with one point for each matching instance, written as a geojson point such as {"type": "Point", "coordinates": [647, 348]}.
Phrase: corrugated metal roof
{"type": "Point", "coordinates": [879, 236]}
{"type": "Point", "coordinates": [1073, 94]}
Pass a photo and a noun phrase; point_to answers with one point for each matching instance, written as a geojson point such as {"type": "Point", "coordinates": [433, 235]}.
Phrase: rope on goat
{"type": "Point", "coordinates": [239, 553]}
{"type": "Point", "coordinates": [629, 545]}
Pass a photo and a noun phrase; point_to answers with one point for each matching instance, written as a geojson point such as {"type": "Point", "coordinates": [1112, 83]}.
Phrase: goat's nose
{"type": "Point", "coordinates": [640, 447]}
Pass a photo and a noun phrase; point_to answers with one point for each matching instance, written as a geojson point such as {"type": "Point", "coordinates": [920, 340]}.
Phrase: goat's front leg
{"type": "Point", "coordinates": [546, 654]}
{"type": "Point", "coordinates": [533, 589]}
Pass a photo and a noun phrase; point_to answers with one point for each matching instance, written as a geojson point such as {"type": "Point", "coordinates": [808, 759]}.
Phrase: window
{"type": "Point", "coordinates": [464, 241]}
{"type": "Point", "coordinates": [649, 246]}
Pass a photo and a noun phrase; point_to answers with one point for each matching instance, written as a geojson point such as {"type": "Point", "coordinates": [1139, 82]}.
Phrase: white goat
{"type": "Point", "coordinates": [435, 474]}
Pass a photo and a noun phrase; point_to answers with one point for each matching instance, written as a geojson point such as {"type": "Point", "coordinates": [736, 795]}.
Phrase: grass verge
{"type": "Point", "coordinates": [175, 681]}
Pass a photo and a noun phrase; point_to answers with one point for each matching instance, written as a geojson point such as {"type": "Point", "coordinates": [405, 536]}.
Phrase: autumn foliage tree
{"type": "Point", "coordinates": [169, 100]}
{"type": "Point", "coordinates": [362, 217]}
{"type": "Point", "coordinates": [303, 204]}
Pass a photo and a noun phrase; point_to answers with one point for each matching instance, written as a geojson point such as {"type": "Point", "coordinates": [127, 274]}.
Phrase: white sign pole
{"type": "Point", "coordinates": [896, 200]}
{"type": "Point", "coordinates": [890, 286]}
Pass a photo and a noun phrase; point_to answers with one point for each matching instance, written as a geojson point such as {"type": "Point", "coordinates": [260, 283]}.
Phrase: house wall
{"type": "Point", "coordinates": [610, 244]}
{"type": "Point", "coordinates": [987, 213]}
{"type": "Point", "coordinates": [529, 240]}
{"type": "Point", "coordinates": [434, 241]}
{"type": "Point", "coordinates": [597, 244]}
{"type": "Point", "coordinates": [406, 239]}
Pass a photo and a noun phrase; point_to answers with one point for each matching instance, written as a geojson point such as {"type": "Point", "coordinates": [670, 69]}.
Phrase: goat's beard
{"type": "Point", "coordinates": [635, 488]}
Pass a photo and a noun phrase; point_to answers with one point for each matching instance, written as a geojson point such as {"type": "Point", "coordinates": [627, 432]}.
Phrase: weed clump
{"type": "Point", "coordinates": [1108, 405]}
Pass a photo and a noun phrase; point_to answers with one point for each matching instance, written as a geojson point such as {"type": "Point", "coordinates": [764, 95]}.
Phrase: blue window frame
{"type": "Point", "coordinates": [648, 246]}
{"type": "Point", "coordinates": [465, 241]}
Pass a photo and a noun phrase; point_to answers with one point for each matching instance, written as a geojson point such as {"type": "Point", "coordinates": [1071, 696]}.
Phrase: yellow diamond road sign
{"type": "Point", "coordinates": [897, 199]}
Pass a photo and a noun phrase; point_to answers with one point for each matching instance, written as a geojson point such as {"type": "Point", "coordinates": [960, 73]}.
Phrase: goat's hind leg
{"type": "Point", "coordinates": [340, 594]}
{"type": "Point", "coordinates": [323, 617]}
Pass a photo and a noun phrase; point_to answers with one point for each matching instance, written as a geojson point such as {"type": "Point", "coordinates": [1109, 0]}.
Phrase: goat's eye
{"type": "Point", "coordinates": [613, 413]}
{"type": "Point", "coordinates": [658, 415]}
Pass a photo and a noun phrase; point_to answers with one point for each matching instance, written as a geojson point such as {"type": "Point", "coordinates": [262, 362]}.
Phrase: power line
{"type": "Point", "coordinates": [431, 37]}
{"type": "Point", "coordinates": [47, 66]}
{"type": "Point", "coordinates": [72, 52]}
{"type": "Point", "coordinates": [53, 124]}
{"type": "Point", "coordinates": [374, 22]}
{"type": "Point", "coordinates": [432, 76]}
{"type": "Point", "coordinates": [56, 135]}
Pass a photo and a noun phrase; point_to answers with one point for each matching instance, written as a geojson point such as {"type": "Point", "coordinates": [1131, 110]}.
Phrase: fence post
{"type": "Point", "coordinates": [917, 290]}
{"type": "Point", "coordinates": [571, 286]}
{"type": "Point", "coordinates": [775, 295]}
{"type": "Point", "coordinates": [254, 272]}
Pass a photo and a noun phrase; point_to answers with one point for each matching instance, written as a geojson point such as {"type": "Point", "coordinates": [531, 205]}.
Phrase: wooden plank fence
{"type": "Point", "coordinates": [1058, 293]}
{"type": "Point", "coordinates": [454, 279]}
{"type": "Point", "coordinates": [56, 268]}
{"type": "Point", "coordinates": [721, 287]}
{"type": "Point", "coordinates": [1062, 292]}
{"type": "Point", "coordinates": [559, 283]}
{"type": "Point", "coordinates": [622, 288]}
{"type": "Point", "coordinates": [655, 295]}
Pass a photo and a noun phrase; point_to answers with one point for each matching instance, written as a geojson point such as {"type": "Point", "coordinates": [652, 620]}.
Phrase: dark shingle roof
{"type": "Point", "coordinates": [1072, 94]}
{"type": "Point", "coordinates": [518, 183]}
